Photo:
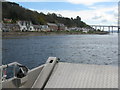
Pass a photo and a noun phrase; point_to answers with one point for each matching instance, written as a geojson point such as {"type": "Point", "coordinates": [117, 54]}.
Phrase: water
{"type": "Point", "coordinates": [33, 51]}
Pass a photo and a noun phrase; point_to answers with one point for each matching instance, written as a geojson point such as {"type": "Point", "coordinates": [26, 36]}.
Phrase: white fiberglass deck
{"type": "Point", "coordinates": [69, 75]}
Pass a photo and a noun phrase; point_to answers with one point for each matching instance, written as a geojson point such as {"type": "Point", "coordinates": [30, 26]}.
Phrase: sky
{"type": "Point", "coordinates": [92, 12]}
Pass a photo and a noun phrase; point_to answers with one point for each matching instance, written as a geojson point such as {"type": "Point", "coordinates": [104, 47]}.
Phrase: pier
{"type": "Point", "coordinates": [102, 27]}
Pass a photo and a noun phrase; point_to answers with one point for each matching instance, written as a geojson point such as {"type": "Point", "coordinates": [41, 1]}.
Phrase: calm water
{"type": "Point", "coordinates": [87, 49]}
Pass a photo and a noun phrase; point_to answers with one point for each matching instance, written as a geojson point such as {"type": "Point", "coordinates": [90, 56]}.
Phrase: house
{"type": "Point", "coordinates": [14, 27]}
{"type": "Point", "coordinates": [67, 29]}
{"type": "Point", "coordinates": [7, 20]}
{"type": "Point", "coordinates": [79, 29]}
{"type": "Point", "coordinates": [10, 27]}
{"type": "Point", "coordinates": [5, 27]}
{"type": "Point", "coordinates": [30, 28]}
{"type": "Point", "coordinates": [52, 26]}
{"type": "Point", "coordinates": [85, 30]}
{"type": "Point", "coordinates": [25, 25]}
{"type": "Point", "coordinates": [41, 28]}
{"type": "Point", "coordinates": [45, 28]}
{"type": "Point", "coordinates": [37, 27]}
{"type": "Point", "coordinates": [73, 29]}
{"type": "Point", "coordinates": [61, 27]}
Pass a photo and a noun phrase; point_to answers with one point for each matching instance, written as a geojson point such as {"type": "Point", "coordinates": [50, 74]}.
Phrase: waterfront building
{"type": "Point", "coordinates": [45, 28]}
{"type": "Point", "coordinates": [7, 20]}
{"type": "Point", "coordinates": [10, 27]}
{"type": "Point", "coordinates": [85, 30]}
{"type": "Point", "coordinates": [66, 28]}
{"type": "Point", "coordinates": [61, 27]}
{"type": "Point", "coordinates": [14, 27]}
{"type": "Point", "coordinates": [25, 26]}
{"type": "Point", "coordinates": [37, 27]}
{"type": "Point", "coordinates": [79, 29]}
{"type": "Point", "coordinates": [52, 26]}
{"type": "Point", "coordinates": [73, 29]}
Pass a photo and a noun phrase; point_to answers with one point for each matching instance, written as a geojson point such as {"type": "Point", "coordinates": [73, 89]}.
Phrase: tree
{"type": "Point", "coordinates": [78, 18]}
{"type": "Point", "coordinates": [16, 12]}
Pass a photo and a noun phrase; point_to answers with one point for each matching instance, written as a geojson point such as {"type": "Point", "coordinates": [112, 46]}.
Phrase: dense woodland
{"type": "Point", "coordinates": [16, 12]}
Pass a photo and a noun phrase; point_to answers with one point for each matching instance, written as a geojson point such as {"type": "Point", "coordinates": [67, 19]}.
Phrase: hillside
{"type": "Point", "coordinates": [16, 12]}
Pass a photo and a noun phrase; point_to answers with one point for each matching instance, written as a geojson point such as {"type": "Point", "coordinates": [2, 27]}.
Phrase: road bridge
{"type": "Point", "coordinates": [110, 28]}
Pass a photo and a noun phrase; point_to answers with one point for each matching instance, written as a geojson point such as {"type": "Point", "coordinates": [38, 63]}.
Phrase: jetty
{"type": "Point", "coordinates": [56, 74]}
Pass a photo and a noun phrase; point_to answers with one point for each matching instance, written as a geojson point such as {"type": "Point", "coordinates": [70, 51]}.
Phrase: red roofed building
{"type": "Point", "coordinates": [7, 20]}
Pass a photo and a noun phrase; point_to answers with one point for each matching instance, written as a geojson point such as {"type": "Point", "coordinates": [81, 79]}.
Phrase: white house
{"type": "Point", "coordinates": [85, 30]}
{"type": "Point", "coordinates": [31, 28]}
{"type": "Point", "coordinates": [25, 25]}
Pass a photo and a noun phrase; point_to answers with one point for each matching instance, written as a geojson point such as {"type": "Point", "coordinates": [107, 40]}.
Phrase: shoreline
{"type": "Point", "coordinates": [16, 34]}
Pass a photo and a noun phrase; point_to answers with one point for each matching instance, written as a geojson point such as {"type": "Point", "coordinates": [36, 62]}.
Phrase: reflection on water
{"type": "Point", "coordinates": [87, 49]}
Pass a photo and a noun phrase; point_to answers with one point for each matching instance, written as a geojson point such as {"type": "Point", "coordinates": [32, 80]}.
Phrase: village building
{"type": "Point", "coordinates": [61, 27]}
{"type": "Point", "coordinates": [45, 28]}
{"type": "Point", "coordinates": [73, 29]}
{"type": "Point", "coordinates": [85, 30]}
{"type": "Point", "coordinates": [52, 26]}
{"type": "Point", "coordinates": [37, 27]}
{"type": "Point", "coordinates": [28, 26]}
{"type": "Point", "coordinates": [7, 20]}
{"type": "Point", "coordinates": [5, 28]}
{"type": "Point", "coordinates": [15, 27]}
{"type": "Point", "coordinates": [25, 25]}
{"type": "Point", "coordinates": [66, 28]}
{"type": "Point", "coordinates": [79, 29]}
{"type": "Point", "coordinates": [10, 27]}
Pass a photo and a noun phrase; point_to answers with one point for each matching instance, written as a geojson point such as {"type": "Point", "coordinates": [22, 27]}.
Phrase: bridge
{"type": "Point", "coordinates": [110, 28]}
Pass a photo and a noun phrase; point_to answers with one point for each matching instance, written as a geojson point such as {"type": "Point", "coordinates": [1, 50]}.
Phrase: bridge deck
{"type": "Point", "coordinates": [67, 75]}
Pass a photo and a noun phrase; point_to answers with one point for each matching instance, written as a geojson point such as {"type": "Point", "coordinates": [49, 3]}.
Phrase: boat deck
{"type": "Point", "coordinates": [55, 74]}
{"type": "Point", "coordinates": [69, 75]}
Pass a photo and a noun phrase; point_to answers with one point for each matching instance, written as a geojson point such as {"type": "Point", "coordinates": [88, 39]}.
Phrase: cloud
{"type": "Point", "coordinates": [96, 14]}
{"type": "Point", "coordinates": [105, 20]}
{"type": "Point", "coordinates": [101, 15]}
{"type": "Point", "coordinates": [97, 17]}
{"type": "Point", "coordinates": [89, 2]}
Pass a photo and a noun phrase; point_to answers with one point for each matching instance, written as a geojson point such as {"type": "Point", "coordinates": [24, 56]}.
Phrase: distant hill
{"type": "Point", "coordinates": [16, 12]}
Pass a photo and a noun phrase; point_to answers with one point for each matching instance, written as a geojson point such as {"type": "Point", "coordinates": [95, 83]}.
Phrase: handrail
{"type": "Point", "coordinates": [10, 64]}
{"type": "Point", "coordinates": [14, 64]}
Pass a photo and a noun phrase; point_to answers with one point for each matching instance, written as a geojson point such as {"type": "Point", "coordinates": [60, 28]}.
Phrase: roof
{"type": "Point", "coordinates": [51, 24]}
{"type": "Point", "coordinates": [37, 26]}
{"type": "Point", "coordinates": [60, 24]}
{"type": "Point", "coordinates": [68, 75]}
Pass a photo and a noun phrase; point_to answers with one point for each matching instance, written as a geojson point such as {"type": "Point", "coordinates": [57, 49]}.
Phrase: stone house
{"type": "Point", "coordinates": [52, 26]}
